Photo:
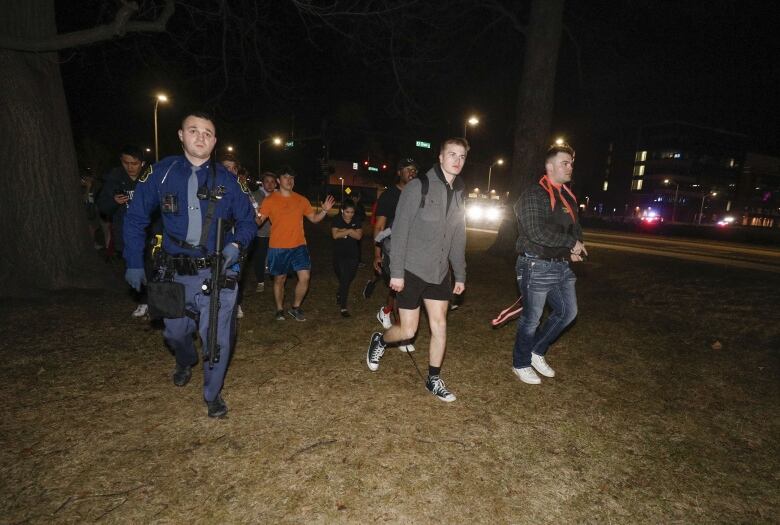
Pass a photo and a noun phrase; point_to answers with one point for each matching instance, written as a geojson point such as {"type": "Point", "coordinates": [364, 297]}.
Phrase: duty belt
{"type": "Point", "coordinates": [186, 265]}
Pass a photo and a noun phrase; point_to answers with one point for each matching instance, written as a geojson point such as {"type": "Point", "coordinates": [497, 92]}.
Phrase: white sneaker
{"type": "Point", "coordinates": [141, 310]}
{"type": "Point", "coordinates": [240, 314]}
{"type": "Point", "coordinates": [406, 348]}
{"type": "Point", "coordinates": [527, 375]}
{"type": "Point", "coordinates": [541, 366]}
{"type": "Point", "coordinates": [385, 319]}
{"type": "Point", "coordinates": [260, 287]}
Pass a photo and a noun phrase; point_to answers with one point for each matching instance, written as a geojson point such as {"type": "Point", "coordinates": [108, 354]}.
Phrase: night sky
{"type": "Point", "coordinates": [265, 69]}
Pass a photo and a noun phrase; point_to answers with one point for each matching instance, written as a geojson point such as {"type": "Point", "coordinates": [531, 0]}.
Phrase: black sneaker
{"type": "Point", "coordinates": [279, 315]}
{"type": "Point", "coordinates": [368, 289]}
{"type": "Point", "coordinates": [296, 313]}
{"type": "Point", "coordinates": [182, 375]}
{"type": "Point", "coordinates": [375, 352]}
{"type": "Point", "coordinates": [435, 385]}
{"type": "Point", "coordinates": [217, 407]}
{"type": "Point", "coordinates": [345, 313]}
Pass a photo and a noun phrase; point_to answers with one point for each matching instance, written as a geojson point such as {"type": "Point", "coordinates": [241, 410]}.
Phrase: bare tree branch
{"type": "Point", "coordinates": [118, 28]}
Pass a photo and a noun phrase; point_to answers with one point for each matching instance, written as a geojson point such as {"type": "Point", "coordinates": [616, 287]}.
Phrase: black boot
{"type": "Point", "coordinates": [217, 407]}
{"type": "Point", "coordinates": [182, 375]}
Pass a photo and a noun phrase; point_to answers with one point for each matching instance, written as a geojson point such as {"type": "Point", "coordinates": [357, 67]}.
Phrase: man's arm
{"type": "Point", "coordinates": [379, 225]}
{"type": "Point", "coordinates": [405, 213]}
{"type": "Point", "coordinates": [327, 204]}
{"type": "Point", "coordinates": [105, 201]}
{"type": "Point", "coordinates": [244, 215]}
{"type": "Point", "coordinates": [533, 211]}
{"type": "Point", "coordinates": [142, 206]}
{"type": "Point", "coordinates": [457, 255]}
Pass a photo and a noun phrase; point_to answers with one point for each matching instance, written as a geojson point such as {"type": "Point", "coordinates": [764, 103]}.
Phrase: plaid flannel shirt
{"type": "Point", "coordinates": [543, 231]}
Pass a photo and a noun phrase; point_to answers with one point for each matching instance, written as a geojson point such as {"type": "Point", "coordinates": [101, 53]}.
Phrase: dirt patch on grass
{"type": "Point", "coordinates": [644, 422]}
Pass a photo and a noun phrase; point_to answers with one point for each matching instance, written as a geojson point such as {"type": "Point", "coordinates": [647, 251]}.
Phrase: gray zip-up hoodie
{"type": "Point", "coordinates": [425, 241]}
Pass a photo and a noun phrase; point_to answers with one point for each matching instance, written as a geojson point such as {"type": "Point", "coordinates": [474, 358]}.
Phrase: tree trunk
{"type": "Point", "coordinates": [43, 228]}
{"type": "Point", "coordinates": [535, 100]}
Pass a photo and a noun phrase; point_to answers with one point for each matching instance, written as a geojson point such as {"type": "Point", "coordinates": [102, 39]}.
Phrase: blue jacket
{"type": "Point", "coordinates": [167, 185]}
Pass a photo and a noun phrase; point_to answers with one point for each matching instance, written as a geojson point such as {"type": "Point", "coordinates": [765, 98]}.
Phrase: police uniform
{"type": "Point", "coordinates": [179, 190]}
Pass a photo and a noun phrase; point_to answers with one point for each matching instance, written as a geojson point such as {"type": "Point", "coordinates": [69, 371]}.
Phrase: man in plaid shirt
{"type": "Point", "coordinates": [550, 239]}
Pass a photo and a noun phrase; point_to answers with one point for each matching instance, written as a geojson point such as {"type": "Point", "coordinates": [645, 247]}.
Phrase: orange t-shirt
{"type": "Point", "coordinates": [286, 216]}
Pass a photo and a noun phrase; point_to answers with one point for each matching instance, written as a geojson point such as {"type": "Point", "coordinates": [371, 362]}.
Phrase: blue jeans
{"type": "Point", "coordinates": [542, 282]}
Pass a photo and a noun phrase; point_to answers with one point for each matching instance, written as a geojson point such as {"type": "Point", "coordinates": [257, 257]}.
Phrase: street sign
{"type": "Point", "coordinates": [354, 165]}
{"type": "Point", "coordinates": [373, 168]}
{"type": "Point", "coordinates": [289, 144]}
{"type": "Point", "coordinates": [421, 144]}
{"type": "Point", "coordinates": [347, 190]}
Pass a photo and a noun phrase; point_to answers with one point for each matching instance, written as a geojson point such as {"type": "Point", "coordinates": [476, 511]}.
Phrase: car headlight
{"type": "Point", "coordinates": [475, 212]}
{"type": "Point", "coordinates": [493, 214]}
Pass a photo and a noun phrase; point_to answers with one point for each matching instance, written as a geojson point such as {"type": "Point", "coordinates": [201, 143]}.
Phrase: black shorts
{"type": "Point", "coordinates": [415, 290]}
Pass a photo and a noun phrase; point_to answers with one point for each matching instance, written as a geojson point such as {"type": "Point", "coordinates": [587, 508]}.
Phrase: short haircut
{"type": "Point", "coordinates": [199, 113]}
{"type": "Point", "coordinates": [348, 203]}
{"type": "Point", "coordinates": [455, 140]}
{"type": "Point", "coordinates": [553, 150]}
{"type": "Point", "coordinates": [285, 170]}
{"type": "Point", "coordinates": [133, 151]}
{"type": "Point", "coordinates": [268, 174]}
{"type": "Point", "coordinates": [228, 157]}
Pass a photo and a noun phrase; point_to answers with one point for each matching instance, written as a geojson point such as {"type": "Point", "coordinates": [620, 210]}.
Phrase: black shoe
{"type": "Point", "coordinates": [435, 386]}
{"type": "Point", "coordinates": [279, 315]}
{"type": "Point", "coordinates": [368, 289]}
{"type": "Point", "coordinates": [296, 313]}
{"type": "Point", "coordinates": [375, 351]}
{"type": "Point", "coordinates": [182, 375]}
{"type": "Point", "coordinates": [217, 407]}
{"type": "Point", "coordinates": [345, 313]}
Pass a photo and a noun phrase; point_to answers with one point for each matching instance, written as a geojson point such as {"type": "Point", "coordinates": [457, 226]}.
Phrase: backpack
{"type": "Point", "coordinates": [385, 245]}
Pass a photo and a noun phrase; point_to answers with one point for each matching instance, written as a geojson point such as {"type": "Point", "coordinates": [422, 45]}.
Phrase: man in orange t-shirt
{"type": "Point", "coordinates": [287, 246]}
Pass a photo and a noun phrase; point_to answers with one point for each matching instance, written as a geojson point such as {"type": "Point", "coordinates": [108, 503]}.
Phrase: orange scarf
{"type": "Point", "coordinates": [550, 186]}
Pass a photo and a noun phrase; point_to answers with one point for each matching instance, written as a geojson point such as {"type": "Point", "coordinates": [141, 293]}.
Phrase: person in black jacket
{"type": "Point", "coordinates": [550, 238]}
{"type": "Point", "coordinates": [114, 200]}
{"type": "Point", "coordinates": [347, 230]}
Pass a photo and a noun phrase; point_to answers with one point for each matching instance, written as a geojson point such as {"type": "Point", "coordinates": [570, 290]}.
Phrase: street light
{"type": "Point", "coordinates": [560, 141]}
{"type": "Point", "coordinates": [342, 191]}
{"type": "Point", "coordinates": [159, 98]}
{"type": "Point", "coordinates": [674, 206]}
{"type": "Point", "coordinates": [472, 121]}
{"type": "Point", "coordinates": [500, 162]}
{"type": "Point", "coordinates": [701, 208]}
{"type": "Point", "coordinates": [230, 148]}
{"type": "Point", "coordinates": [275, 140]}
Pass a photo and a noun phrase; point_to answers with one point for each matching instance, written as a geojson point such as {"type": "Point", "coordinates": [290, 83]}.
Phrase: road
{"type": "Point", "coordinates": [746, 256]}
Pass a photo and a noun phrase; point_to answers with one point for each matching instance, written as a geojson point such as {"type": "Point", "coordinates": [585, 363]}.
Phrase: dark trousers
{"type": "Point", "coordinates": [345, 269]}
{"type": "Point", "coordinates": [259, 255]}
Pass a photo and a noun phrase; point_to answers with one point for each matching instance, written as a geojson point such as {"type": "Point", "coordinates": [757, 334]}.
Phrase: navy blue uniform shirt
{"type": "Point", "coordinates": [165, 189]}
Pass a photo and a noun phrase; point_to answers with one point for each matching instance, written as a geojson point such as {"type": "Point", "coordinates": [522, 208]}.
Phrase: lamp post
{"type": "Point", "coordinates": [342, 191]}
{"type": "Point", "coordinates": [701, 208]}
{"type": "Point", "coordinates": [500, 162]}
{"type": "Point", "coordinates": [159, 98]}
{"type": "Point", "coordinates": [560, 141]}
{"type": "Point", "coordinates": [472, 121]}
{"type": "Point", "coordinates": [674, 206]}
{"type": "Point", "coordinates": [276, 140]}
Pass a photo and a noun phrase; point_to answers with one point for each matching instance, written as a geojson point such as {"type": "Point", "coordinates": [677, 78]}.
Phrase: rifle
{"type": "Point", "coordinates": [212, 288]}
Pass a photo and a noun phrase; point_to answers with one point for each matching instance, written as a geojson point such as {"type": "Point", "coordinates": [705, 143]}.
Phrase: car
{"type": "Point", "coordinates": [484, 213]}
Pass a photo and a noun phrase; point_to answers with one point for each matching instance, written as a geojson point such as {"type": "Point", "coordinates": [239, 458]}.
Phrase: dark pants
{"type": "Point", "coordinates": [178, 332]}
{"type": "Point", "coordinates": [345, 269]}
{"type": "Point", "coordinates": [259, 256]}
{"type": "Point", "coordinates": [542, 282]}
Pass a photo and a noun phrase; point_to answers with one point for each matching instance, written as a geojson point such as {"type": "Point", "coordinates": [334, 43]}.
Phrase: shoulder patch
{"type": "Point", "coordinates": [145, 173]}
{"type": "Point", "coordinates": [244, 187]}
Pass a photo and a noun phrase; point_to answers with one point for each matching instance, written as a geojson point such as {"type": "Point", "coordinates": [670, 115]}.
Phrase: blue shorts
{"type": "Point", "coordinates": [282, 261]}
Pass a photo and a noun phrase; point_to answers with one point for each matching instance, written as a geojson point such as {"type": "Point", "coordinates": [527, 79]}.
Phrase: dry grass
{"type": "Point", "coordinates": [645, 423]}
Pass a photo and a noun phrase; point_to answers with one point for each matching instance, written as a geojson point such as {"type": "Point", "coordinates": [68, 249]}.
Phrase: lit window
{"type": "Point", "coordinates": [641, 156]}
{"type": "Point", "coordinates": [605, 186]}
{"type": "Point", "coordinates": [639, 170]}
{"type": "Point", "coordinates": [636, 184]}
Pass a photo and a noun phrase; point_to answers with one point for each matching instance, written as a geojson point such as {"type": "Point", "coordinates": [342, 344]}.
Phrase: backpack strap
{"type": "Point", "coordinates": [424, 189]}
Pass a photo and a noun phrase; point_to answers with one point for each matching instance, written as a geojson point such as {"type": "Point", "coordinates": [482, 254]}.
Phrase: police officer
{"type": "Point", "coordinates": [192, 191]}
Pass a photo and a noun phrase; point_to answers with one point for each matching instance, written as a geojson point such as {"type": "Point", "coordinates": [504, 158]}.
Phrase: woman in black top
{"type": "Point", "coordinates": [347, 230]}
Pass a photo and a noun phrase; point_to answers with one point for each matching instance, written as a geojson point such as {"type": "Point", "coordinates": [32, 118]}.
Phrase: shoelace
{"type": "Point", "coordinates": [439, 388]}
{"type": "Point", "coordinates": [377, 352]}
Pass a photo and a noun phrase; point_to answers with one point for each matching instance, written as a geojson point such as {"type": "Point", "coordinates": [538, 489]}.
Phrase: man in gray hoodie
{"type": "Point", "coordinates": [429, 236]}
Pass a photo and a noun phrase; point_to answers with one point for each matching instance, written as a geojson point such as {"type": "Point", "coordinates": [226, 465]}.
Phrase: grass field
{"type": "Point", "coordinates": [644, 423]}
